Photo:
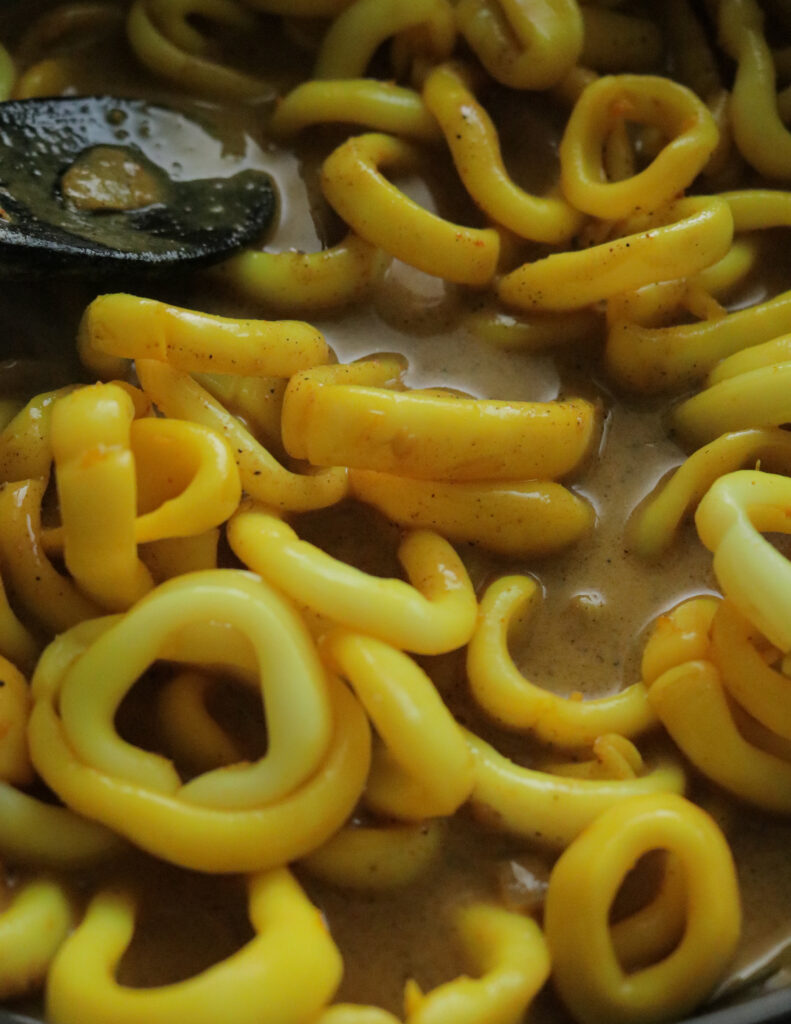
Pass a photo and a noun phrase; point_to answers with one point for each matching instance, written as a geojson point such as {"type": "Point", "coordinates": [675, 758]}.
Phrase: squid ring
{"type": "Point", "coordinates": [261, 475]}
{"type": "Point", "coordinates": [382, 106]}
{"type": "Point", "coordinates": [118, 327]}
{"type": "Point", "coordinates": [552, 809]}
{"type": "Point", "coordinates": [695, 233]}
{"type": "Point", "coordinates": [91, 445]}
{"type": "Point", "coordinates": [216, 822]}
{"type": "Point", "coordinates": [584, 883]}
{"type": "Point", "coordinates": [424, 768]}
{"type": "Point", "coordinates": [432, 614]}
{"type": "Point", "coordinates": [376, 858]}
{"type": "Point", "coordinates": [288, 971]}
{"type": "Point", "coordinates": [331, 419]}
{"type": "Point", "coordinates": [673, 108]}
{"type": "Point", "coordinates": [32, 928]}
{"type": "Point", "coordinates": [386, 217]}
{"type": "Point", "coordinates": [654, 524]}
{"type": "Point", "coordinates": [516, 703]}
{"type": "Point", "coordinates": [475, 147]}
{"type": "Point", "coordinates": [523, 45]}
{"type": "Point", "coordinates": [293, 687]}
{"type": "Point", "coordinates": [752, 573]}
{"type": "Point", "coordinates": [358, 31]}
{"type": "Point", "coordinates": [307, 282]}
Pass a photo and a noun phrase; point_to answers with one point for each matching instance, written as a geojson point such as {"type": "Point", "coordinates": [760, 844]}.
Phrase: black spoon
{"type": "Point", "coordinates": [100, 184]}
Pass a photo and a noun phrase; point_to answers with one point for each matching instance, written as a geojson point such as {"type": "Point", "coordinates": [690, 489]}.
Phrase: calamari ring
{"type": "Point", "coordinates": [518, 518]}
{"type": "Point", "coordinates": [293, 688]}
{"type": "Point", "coordinates": [475, 147]}
{"type": "Point", "coordinates": [752, 573]}
{"type": "Point", "coordinates": [380, 106]}
{"type": "Point", "coordinates": [288, 971]}
{"type": "Point", "coordinates": [650, 99]}
{"type": "Point", "coordinates": [504, 693]}
{"type": "Point", "coordinates": [424, 768]}
{"type": "Point", "coordinates": [387, 218]}
{"type": "Point", "coordinates": [691, 234]}
{"type": "Point", "coordinates": [583, 885]}
{"type": "Point", "coordinates": [432, 614]}
{"type": "Point", "coordinates": [762, 138]}
{"type": "Point", "coordinates": [261, 475]}
{"type": "Point", "coordinates": [691, 701]}
{"type": "Point", "coordinates": [291, 282]}
{"type": "Point", "coordinates": [118, 327]}
{"type": "Point", "coordinates": [379, 858]}
{"type": "Point", "coordinates": [188, 70]}
{"type": "Point", "coordinates": [211, 823]}
{"type": "Point", "coordinates": [552, 809]}
{"type": "Point", "coordinates": [32, 929]}
{"type": "Point", "coordinates": [523, 45]}
{"type": "Point", "coordinates": [187, 482]}
{"type": "Point", "coordinates": [654, 524]}
{"type": "Point", "coordinates": [91, 447]}
{"type": "Point", "coordinates": [333, 416]}
{"type": "Point", "coordinates": [358, 31]}
{"type": "Point", "coordinates": [46, 596]}
{"type": "Point", "coordinates": [15, 706]}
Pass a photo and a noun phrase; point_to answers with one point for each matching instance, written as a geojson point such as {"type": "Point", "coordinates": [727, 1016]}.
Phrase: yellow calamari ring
{"type": "Point", "coordinates": [91, 446]}
{"type": "Point", "coordinates": [523, 45]}
{"type": "Point", "coordinates": [189, 731]}
{"type": "Point", "coordinates": [47, 597]}
{"type": "Point", "coordinates": [691, 702]}
{"type": "Point", "coordinates": [683, 118]}
{"type": "Point", "coordinates": [510, 518]}
{"type": "Point", "coordinates": [261, 475]}
{"type": "Point", "coordinates": [26, 441]}
{"type": "Point", "coordinates": [762, 138]}
{"type": "Point", "coordinates": [377, 858]}
{"type": "Point", "coordinates": [293, 690]}
{"type": "Point", "coordinates": [755, 398]}
{"type": "Point", "coordinates": [118, 327]}
{"type": "Point", "coordinates": [15, 704]}
{"type": "Point", "coordinates": [379, 106]}
{"type": "Point", "coordinates": [175, 556]}
{"type": "Point", "coordinates": [358, 31]}
{"type": "Point", "coordinates": [43, 835]}
{"type": "Point", "coordinates": [583, 885]}
{"type": "Point", "coordinates": [331, 420]}
{"type": "Point", "coordinates": [286, 972]}
{"type": "Point", "coordinates": [680, 635]}
{"type": "Point", "coordinates": [654, 524]}
{"type": "Point", "coordinates": [755, 576]}
{"type": "Point", "coordinates": [245, 817]}
{"type": "Point", "coordinates": [424, 768]}
{"type": "Point", "coordinates": [507, 951]}
{"type": "Point", "coordinates": [657, 359]}
{"type": "Point", "coordinates": [761, 690]}
{"type": "Point", "coordinates": [191, 71]}
{"type": "Point", "coordinates": [290, 282]}
{"type": "Point", "coordinates": [686, 237]}
{"type": "Point", "coordinates": [515, 703]}
{"type": "Point", "coordinates": [32, 928]}
{"type": "Point", "coordinates": [552, 809]}
{"type": "Point", "coordinates": [475, 147]}
{"type": "Point", "coordinates": [387, 218]}
{"type": "Point", "coordinates": [433, 613]}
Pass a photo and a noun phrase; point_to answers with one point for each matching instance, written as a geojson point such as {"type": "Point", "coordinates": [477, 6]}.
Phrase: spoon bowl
{"type": "Point", "coordinates": [102, 184]}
